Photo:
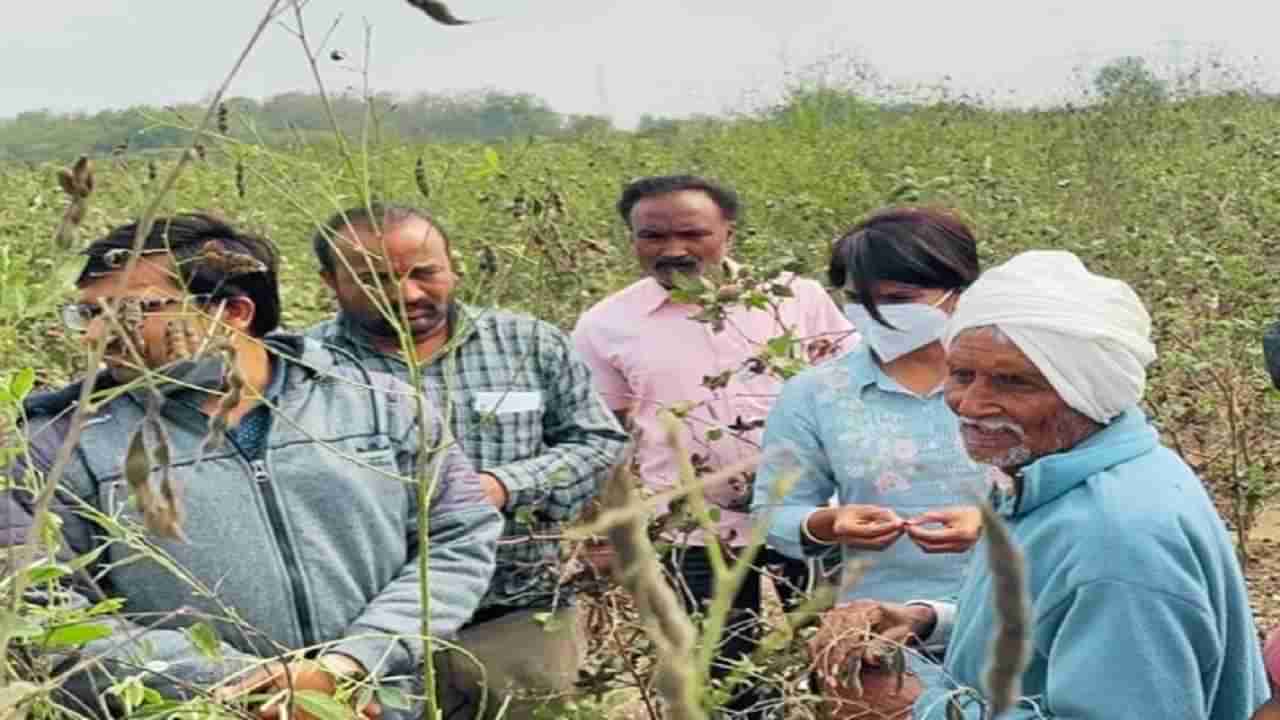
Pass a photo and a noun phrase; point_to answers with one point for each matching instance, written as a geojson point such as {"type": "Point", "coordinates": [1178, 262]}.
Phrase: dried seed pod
{"type": "Point", "coordinates": [66, 181]}
{"type": "Point", "coordinates": [240, 188]}
{"type": "Point", "coordinates": [178, 340]}
{"type": "Point", "coordinates": [223, 126]}
{"type": "Point", "coordinates": [488, 260]}
{"type": "Point", "coordinates": [77, 183]}
{"type": "Point", "coordinates": [337, 56]}
{"type": "Point", "coordinates": [201, 152]}
{"type": "Point", "coordinates": [166, 514]}
{"type": "Point", "coordinates": [1011, 644]}
{"type": "Point", "coordinates": [420, 178]}
{"type": "Point", "coordinates": [161, 514]}
{"type": "Point", "coordinates": [152, 171]}
{"type": "Point", "coordinates": [229, 263]}
{"type": "Point", "coordinates": [438, 11]}
{"type": "Point", "coordinates": [82, 171]}
{"type": "Point", "coordinates": [219, 423]}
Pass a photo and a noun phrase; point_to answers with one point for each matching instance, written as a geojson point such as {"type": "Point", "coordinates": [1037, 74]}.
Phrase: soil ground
{"type": "Point", "coordinates": [1264, 570]}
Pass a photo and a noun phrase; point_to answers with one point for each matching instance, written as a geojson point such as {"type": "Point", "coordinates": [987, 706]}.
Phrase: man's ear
{"type": "Point", "coordinates": [238, 313]}
{"type": "Point", "coordinates": [729, 238]}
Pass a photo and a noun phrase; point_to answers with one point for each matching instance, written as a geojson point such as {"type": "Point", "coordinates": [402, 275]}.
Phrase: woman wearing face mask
{"type": "Point", "coordinates": [871, 429]}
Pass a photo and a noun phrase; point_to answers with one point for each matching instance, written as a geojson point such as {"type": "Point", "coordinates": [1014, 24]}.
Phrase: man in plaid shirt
{"type": "Point", "coordinates": [520, 403]}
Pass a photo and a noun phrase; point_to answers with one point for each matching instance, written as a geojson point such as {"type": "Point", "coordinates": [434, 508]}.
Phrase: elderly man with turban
{"type": "Point", "coordinates": [1138, 608]}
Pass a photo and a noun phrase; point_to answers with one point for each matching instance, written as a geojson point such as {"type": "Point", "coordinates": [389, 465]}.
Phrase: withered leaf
{"type": "Point", "coordinates": [438, 11]}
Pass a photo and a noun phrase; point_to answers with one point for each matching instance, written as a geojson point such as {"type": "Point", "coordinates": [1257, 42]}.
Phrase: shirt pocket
{"type": "Point", "coordinates": [507, 436]}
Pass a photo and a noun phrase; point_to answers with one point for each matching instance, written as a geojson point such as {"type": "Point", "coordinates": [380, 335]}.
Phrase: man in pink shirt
{"type": "Point", "coordinates": [647, 354]}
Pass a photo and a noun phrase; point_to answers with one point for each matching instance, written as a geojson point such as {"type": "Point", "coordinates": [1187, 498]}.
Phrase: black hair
{"type": "Point", "coordinates": [375, 215]}
{"type": "Point", "coordinates": [928, 247]}
{"type": "Point", "coordinates": [210, 256]}
{"type": "Point", "coordinates": [648, 187]}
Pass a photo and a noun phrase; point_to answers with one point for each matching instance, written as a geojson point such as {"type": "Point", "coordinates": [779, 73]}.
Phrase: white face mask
{"type": "Point", "coordinates": [917, 325]}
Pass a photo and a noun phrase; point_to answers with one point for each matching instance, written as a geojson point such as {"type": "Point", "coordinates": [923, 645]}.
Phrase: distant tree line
{"type": "Point", "coordinates": [488, 115]}
{"type": "Point", "coordinates": [480, 115]}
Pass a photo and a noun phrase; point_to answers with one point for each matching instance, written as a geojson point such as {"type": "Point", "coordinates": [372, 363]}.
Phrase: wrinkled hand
{"type": "Point", "coordinates": [319, 676]}
{"type": "Point", "coordinates": [958, 529]}
{"type": "Point", "coordinates": [494, 490]}
{"type": "Point", "coordinates": [895, 624]}
{"type": "Point", "coordinates": [867, 527]}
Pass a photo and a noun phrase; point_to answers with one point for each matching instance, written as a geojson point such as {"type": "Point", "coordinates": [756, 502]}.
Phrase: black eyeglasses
{"type": "Point", "coordinates": [77, 316]}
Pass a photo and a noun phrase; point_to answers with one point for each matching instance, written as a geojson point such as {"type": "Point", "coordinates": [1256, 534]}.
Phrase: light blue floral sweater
{"type": "Point", "coordinates": [852, 432]}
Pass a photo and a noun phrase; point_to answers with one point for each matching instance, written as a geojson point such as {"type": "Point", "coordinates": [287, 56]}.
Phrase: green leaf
{"type": "Point", "coordinates": [44, 573]}
{"type": "Point", "coordinates": [322, 706]}
{"type": "Point", "coordinates": [20, 385]}
{"type": "Point", "coordinates": [76, 635]}
{"type": "Point", "coordinates": [392, 697]}
{"type": "Point", "coordinates": [86, 559]}
{"type": "Point", "coordinates": [206, 640]}
{"type": "Point", "coordinates": [492, 160]}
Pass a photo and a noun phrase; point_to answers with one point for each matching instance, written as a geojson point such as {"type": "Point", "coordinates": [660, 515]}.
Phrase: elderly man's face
{"type": "Point", "coordinates": [1009, 413]}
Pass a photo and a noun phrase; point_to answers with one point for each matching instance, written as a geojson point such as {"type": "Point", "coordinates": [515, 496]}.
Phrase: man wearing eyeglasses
{"type": "Point", "coordinates": [267, 434]}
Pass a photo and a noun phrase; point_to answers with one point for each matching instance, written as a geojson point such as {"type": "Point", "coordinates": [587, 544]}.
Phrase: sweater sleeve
{"type": "Point", "coordinates": [1118, 650]}
{"type": "Point", "coordinates": [794, 456]}
{"type": "Point", "coordinates": [178, 667]}
{"type": "Point", "coordinates": [386, 637]}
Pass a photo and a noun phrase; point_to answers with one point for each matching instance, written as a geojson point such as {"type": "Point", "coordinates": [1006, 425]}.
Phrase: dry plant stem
{"type": "Point", "coordinates": [1010, 645]}
{"type": "Point", "coordinates": [149, 215]}
{"type": "Point", "coordinates": [726, 579]}
{"type": "Point", "coordinates": [324, 95]}
{"type": "Point", "coordinates": [663, 613]}
{"type": "Point", "coordinates": [41, 510]}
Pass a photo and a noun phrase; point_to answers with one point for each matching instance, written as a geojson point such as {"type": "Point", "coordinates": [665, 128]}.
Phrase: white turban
{"type": "Point", "coordinates": [1089, 335]}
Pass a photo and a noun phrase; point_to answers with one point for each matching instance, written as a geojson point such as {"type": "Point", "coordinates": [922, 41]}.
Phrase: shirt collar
{"type": "Point", "coordinates": [864, 371]}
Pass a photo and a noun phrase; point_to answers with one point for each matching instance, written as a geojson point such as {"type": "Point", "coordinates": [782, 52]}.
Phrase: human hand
{"type": "Point", "coordinates": [494, 490]}
{"type": "Point", "coordinates": [894, 624]}
{"type": "Point", "coordinates": [866, 527]}
{"type": "Point", "coordinates": [959, 528]}
{"type": "Point", "coordinates": [320, 676]}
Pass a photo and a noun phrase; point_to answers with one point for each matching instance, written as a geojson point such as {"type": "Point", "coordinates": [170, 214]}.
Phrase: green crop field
{"type": "Point", "coordinates": [1181, 199]}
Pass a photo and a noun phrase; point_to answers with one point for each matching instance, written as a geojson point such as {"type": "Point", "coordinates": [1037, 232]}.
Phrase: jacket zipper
{"type": "Point", "coordinates": [272, 501]}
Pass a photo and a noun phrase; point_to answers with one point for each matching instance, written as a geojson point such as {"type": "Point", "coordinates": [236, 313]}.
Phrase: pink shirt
{"type": "Point", "coordinates": [646, 354]}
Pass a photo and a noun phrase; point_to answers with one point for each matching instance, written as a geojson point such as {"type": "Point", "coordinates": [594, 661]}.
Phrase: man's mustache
{"type": "Point", "coordinates": [677, 263]}
{"type": "Point", "coordinates": [996, 425]}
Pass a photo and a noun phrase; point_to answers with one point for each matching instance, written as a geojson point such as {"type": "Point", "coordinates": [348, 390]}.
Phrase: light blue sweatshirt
{"type": "Point", "coordinates": [846, 430]}
{"type": "Point", "coordinates": [1138, 606]}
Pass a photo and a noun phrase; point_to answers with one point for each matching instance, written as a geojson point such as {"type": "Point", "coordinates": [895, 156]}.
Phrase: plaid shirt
{"type": "Point", "coordinates": [549, 451]}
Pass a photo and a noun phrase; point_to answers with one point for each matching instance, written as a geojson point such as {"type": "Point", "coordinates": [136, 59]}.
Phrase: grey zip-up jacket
{"type": "Point", "coordinates": [314, 544]}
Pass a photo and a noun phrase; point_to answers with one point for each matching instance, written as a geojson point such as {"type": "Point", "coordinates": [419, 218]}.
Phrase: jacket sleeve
{"type": "Point", "coordinates": [793, 453]}
{"type": "Point", "coordinates": [1119, 650]}
{"type": "Point", "coordinates": [179, 666]}
{"type": "Point", "coordinates": [386, 637]}
{"type": "Point", "coordinates": [582, 440]}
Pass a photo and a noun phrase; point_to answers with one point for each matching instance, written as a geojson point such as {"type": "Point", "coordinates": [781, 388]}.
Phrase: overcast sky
{"type": "Point", "coordinates": [624, 57]}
